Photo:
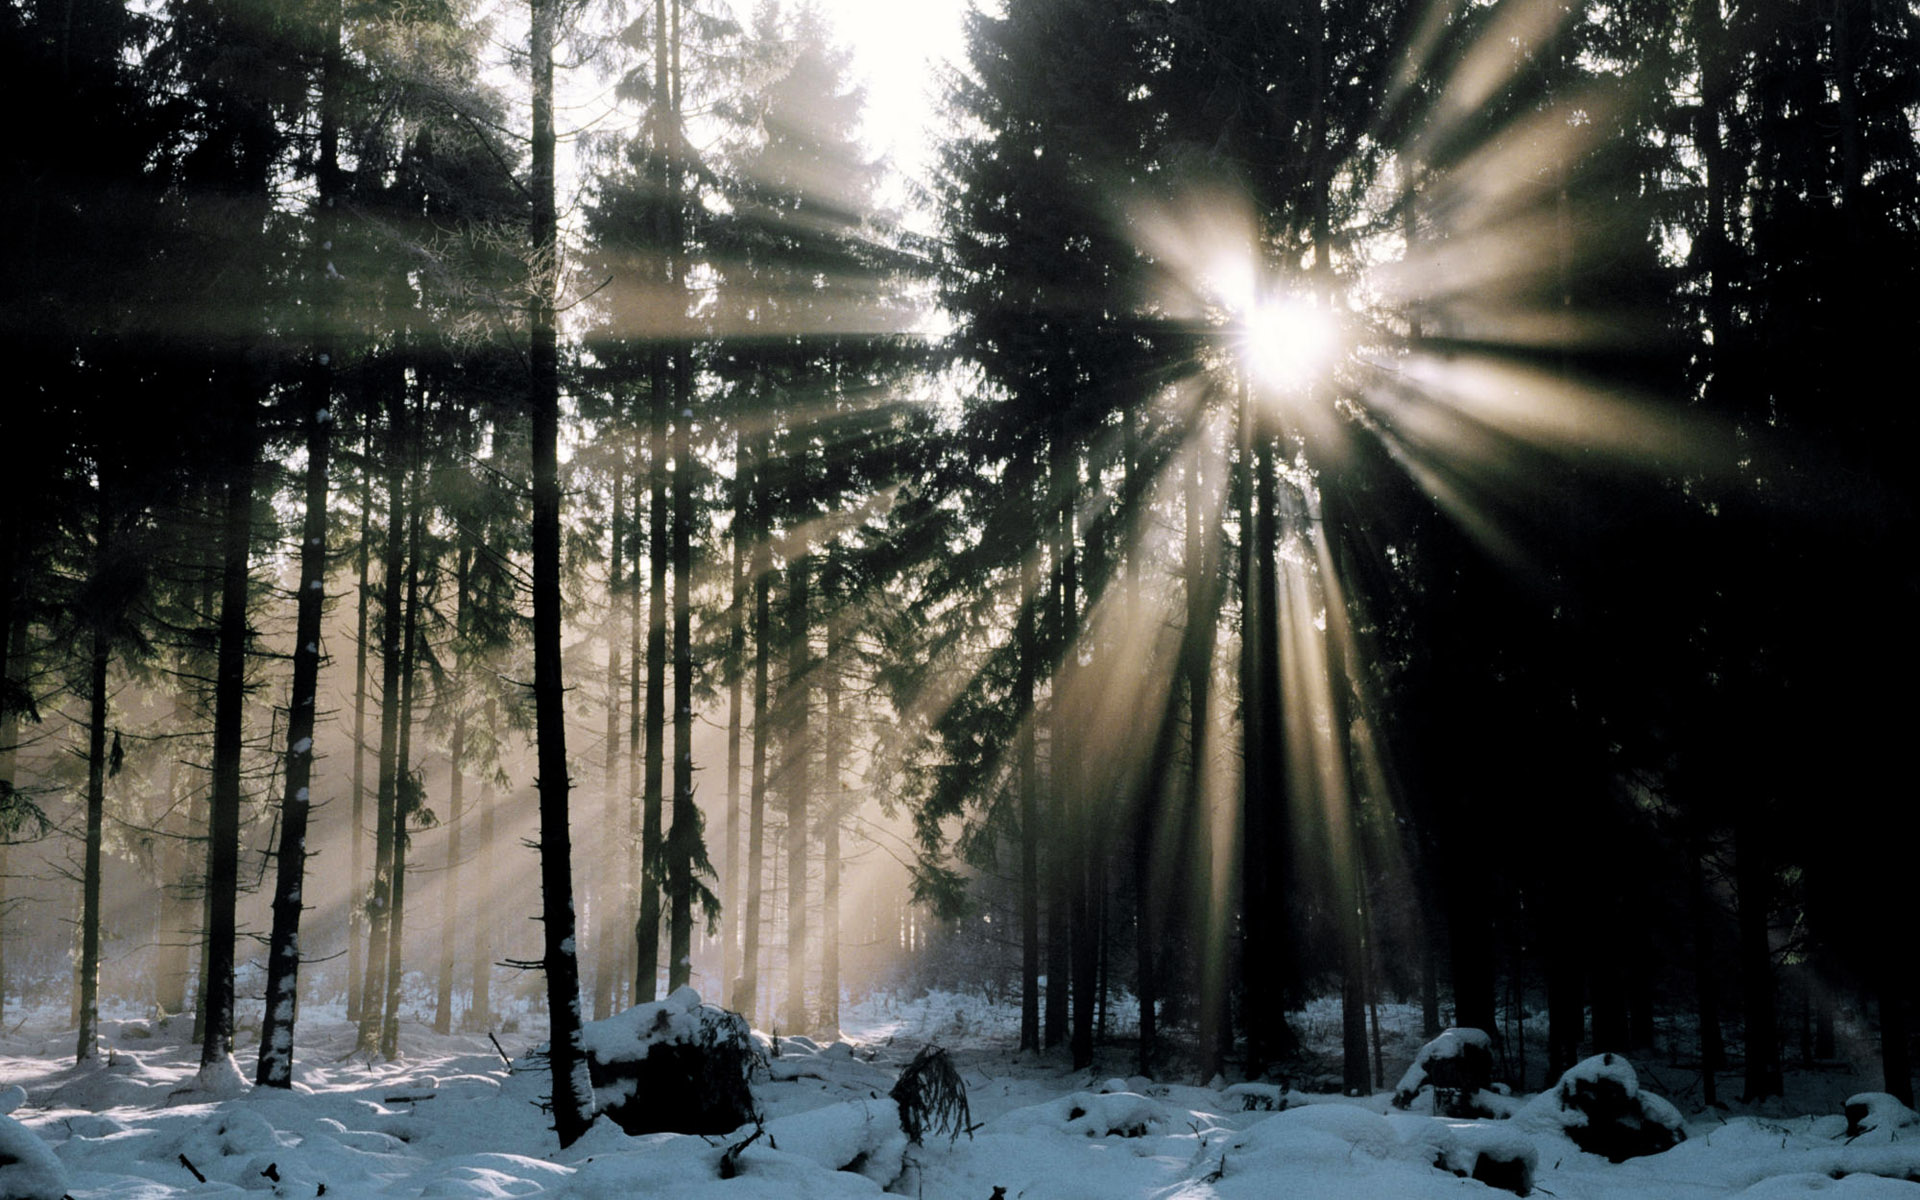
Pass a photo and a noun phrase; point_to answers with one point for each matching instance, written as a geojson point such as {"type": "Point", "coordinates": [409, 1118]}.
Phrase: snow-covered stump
{"type": "Point", "coordinates": [1598, 1104]}
{"type": "Point", "coordinates": [1456, 1067]}
{"type": "Point", "coordinates": [675, 1066]}
{"type": "Point", "coordinates": [1871, 1112]}
{"type": "Point", "coordinates": [28, 1168]}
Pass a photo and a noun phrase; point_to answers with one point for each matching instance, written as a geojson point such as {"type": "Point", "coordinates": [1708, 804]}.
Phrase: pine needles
{"type": "Point", "coordinates": [932, 1097]}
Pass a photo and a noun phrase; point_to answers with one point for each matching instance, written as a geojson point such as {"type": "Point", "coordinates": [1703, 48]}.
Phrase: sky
{"type": "Point", "coordinates": [899, 47]}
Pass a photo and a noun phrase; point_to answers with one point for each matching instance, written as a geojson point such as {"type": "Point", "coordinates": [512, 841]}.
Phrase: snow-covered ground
{"type": "Point", "coordinates": [451, 1120]}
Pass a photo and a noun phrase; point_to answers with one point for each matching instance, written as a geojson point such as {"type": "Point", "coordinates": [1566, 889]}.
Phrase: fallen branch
{"type": "Point", "coordinates": [730, 1157]}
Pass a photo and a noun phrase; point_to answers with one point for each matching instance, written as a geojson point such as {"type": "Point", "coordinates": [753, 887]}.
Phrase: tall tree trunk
{"type": "Point", "coordinates": [1028, 641]}
{"type": "Point", "coordinates": [1753, 887]}
{"type": "Point", "coordinates": [652, 851]}
{"type": "Point", "coordinates": [688, 850]}
{"type": "Point", "coordinates": [795, 775]}
{"type": "Point", "coordinates": [408, 796]}
{"type": "Point", "coordinates": [572, 1095]}
{"type": "Point", "coordinates": [1055, 1017]}
{"type": "Point", "coordinates": [13, 643]}
{"type": "Point", "coordinates": [480, 1009]}
{"type": "Point", "coordinates": [730, 863]}
{"type": "Point", "coordinates": [230, 679]}
{"type": "Point", "coordinates": [1266, 837]}
{"type": "Point", "coordinates": [450, 915]}
{"type": "Point", "coordinates": [834, 808]}
{"type": "Point", "coordinates": [88, 985]}
{"type": "Point", "coordinates": [387, 789]}
{"type": "Point", "coordinates": [283, 950]}
{"type": "Point", "coordinates": [762, 572]}
{"type": "Point", "coordinates": [604, 905]}
{"type": "Point", "coordinates": [357, 832]}
{"type": "Point", "coordinates": [637, 620]}
{"type": "Point", "coordinates": [275, 1068]}
{"type": "Point", "coordinates": [1083, 938]}
{"type": "Point", "coordinates": [1205, 898]}
{"type": "Point", "coordinates": [172, 965]}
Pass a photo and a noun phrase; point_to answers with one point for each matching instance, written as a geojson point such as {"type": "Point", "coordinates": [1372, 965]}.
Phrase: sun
{"type": "Point", "coordinates": [1289, 342]}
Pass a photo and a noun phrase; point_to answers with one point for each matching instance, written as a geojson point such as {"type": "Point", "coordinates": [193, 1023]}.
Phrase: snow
{"type": "Point", "coordinates": [28, 1169]}
{"type": "Point", "coordinates": [450, 1120]}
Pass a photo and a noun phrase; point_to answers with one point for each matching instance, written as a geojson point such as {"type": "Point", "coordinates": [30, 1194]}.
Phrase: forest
{"type": "Point", "coordinates": [518, 509]}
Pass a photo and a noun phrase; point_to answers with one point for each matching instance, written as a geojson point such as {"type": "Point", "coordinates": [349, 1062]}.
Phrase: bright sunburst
{"type": "Point", "coordinates": [1289, 342]}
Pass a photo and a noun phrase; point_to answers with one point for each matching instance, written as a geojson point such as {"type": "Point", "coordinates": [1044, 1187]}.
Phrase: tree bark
{"type": "Point", "coordinates": [275, 1068]}
{"type": "Point", "coordinates": [795, 773]}
{"type": "Point", "coordinates": [834, 809]}
{"type": "Point", "coordinates": [652, 851]}
{"type": "Point", "coordinates": [762, 572]}
{"type": "Point", "coordinates": [450, 915]}
{"type": "Point", "coordinates": [223, 823]}
{"type": "Point", "coordinates": [480, 1009]}
{"type": "Point", "coordinates": [1029, 783]}
{"type": "Point", "coordinates": [572, 1095]}
{"type": "Point", "coordinates": [604, 904]}
{"type": "Point", "coordinates": [409, 787]}
{"type": "Point", "coordinates": [357, 833]}
{"type": "Point", "coordinates": [393, 570]}
{"type": "Point", "coordinates": [88, 984]}
{"type": "Point", "coordinates": [730, 864]}
{"type": "Point", "coordinates": [688, 858]}
{"type": "Point", "coordinates": [283, 949]}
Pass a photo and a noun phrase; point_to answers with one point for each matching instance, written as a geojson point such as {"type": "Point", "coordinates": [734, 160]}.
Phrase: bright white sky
{"type": "Point", "coordinates": [900, 47]}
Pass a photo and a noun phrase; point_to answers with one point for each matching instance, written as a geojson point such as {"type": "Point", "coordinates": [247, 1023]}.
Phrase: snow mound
{"type": "Point", "coordinates": [1323, 1132]}
{"type": "Point", "coordinates": [1876, 1117]}
{"type": "Point", "coordinates": [1088, 1114]}
{"type": "Point", "coordinates": [1450, 1074]}
{"type": "Point", "coordinates": [1826, 1187]}
{"type": "Point", "coordinates": [1599, 1106]}
{"type": "Point", "coordinates": [28, 1168]}
{"type": "Point", "coordinates": [674, 1065]}
{"type": "Point", "coordinates": [862, 1136]}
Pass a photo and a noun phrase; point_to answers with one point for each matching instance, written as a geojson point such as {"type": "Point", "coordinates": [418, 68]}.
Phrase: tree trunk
{"type": "Point", "coordinates": [408, 795]}
{"type": "Point", "coordinates": [572, 1095]}
{"type": "Point", "coordinates": [380, 898]}
{"type": "Point", "coordinates": [607, 855]}
{"type": "Point", "coordinates": [88, 985]}
{"type": "Point", "coordinates": [15, 634]}
{"type": "Point", "coordinates": [688, 858]}
{"type": "Point", "coordinates": [1205, 898]}
{"type": "Point", "coordinates": [1083, 938]}
{"type": "Point", "coordinates": [275, 1068]}
{"type": "Point", "coordinates": [652, 852]}
{"type": "Point", "coordinates": [834, 809]}
{"type": "Point", "coordinates": [1055, 1018]}
{"type": "Point", "coordinates": [1029, 783]}
{"type": "Point", "coordinates": [450, 885]}
{"type": "Point", "coordinates": [795, 775]}
{"type": "Point", "coordinates": [1266, 840]}
{"type": "Point", "coordinates": [1753, 887]}
{"type": "Point", "coordinates": [1705, 976]}
{"type": "Point", "coordinates": [357, 832]}
{"type": "Point", "coordinates": [283, 950]}
{"type": "Point", "coordinates": [450, 915]}
{"type": "Point", "coordinates": [748, 1000]}
{"type": "Point", "coordinates": [480, 1008]}
{"type": "Point", "coordinates": [223, 824]}
{"type": "Point", "coordinates": [730, 864]}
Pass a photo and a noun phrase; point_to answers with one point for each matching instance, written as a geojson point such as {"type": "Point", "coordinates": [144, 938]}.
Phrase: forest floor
{"type": "Point", "coordinates": [451, 1120]}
